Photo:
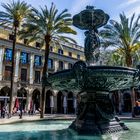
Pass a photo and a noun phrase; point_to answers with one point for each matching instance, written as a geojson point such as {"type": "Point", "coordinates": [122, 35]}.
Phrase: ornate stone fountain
{"type": "Point", "coordinates": [95, 113]}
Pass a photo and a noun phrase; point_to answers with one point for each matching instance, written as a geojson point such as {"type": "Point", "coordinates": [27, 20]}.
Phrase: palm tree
{"type": "Point", "coordinates": [123, 36]}
{"type": "Point", "coordinates": [14, 15]}
{"type": "Point", "coordinates": [48, 27]}
{"type": "Point", "coordinates": [112, 57]}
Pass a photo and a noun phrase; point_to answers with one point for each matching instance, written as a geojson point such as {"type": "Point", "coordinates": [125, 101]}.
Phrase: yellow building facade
{"type": "Point", "coordinates": [28, 72]}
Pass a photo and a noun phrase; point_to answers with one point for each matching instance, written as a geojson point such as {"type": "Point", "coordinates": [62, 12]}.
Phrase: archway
{"type": "Point", "coordinates": [21, 96]}
{"type": "Point", "coordinates": [59, 102]}
{"type": "Point", "coordinates": [70, 103]}
{"type": "Point", "coordinates": [36, 100]}
{"type": "Point", "coordinates": [47, 106]}
{"type": "Point", "coordinates": [4, 97]}
{"type": "Point", "coordinates": [127, 102]}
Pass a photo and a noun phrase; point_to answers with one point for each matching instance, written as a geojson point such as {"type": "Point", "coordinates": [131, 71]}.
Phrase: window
{"type": "Point", "coordinates": [8, 54]}
{"type": "Point", "coordinates": [38, 45]}
{"type": "Point", "coordinates": [38, 60]}
{"type": "Point", "coordinates": [25, 41]}
{"type": "Point", "coordinates": [50, 63]}
{"type": "Point", "coordinates": [7, 73]}
{"type": "Point", "coordinates": [61, 65]}
{"type": "Point", "coordinates": [24, 57]}
{"type": "Point", "coordinates": [78, 56]}
{"type": "Point", "coordinates": [37, 76]}
{"type": "Point", "coordinates": [23, 75]}
{"type": "Point", "coordinates": [60, 51]}
{"type": "Point", "coordinates": [51, 49]}
{"type": "Point", "coordinates": [69, 66]}
{"type": "Point", "coordinates": [70, 54]}
{"type": "Point", "coordinates": [11, 37]}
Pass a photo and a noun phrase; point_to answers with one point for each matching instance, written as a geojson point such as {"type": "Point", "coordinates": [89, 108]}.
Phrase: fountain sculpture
{"type": "Point", "coordinates": [93, 84]}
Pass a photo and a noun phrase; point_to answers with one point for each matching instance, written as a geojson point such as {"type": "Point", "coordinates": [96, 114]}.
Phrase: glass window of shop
{"type": "Point", "coordinates": [8, 54]}
{"type": "Point", "coordinates": [38, 60]}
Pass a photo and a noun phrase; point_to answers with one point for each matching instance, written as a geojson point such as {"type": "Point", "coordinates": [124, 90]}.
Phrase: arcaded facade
{"type": "Point", "coordinates": [28, 72]}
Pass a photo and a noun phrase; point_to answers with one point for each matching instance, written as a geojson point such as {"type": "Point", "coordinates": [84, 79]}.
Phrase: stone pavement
{"type": "Point", "coordinates": [27, 118]}
{"type": "Point", "coordinates": [30, 118]}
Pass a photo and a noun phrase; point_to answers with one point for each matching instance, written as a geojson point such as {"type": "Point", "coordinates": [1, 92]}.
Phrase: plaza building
{"type": "Point", "coordinates": [28, 72]}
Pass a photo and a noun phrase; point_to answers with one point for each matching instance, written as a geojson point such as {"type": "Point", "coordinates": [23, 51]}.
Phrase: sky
{"type": "Point", "coordinates": [112, 7]}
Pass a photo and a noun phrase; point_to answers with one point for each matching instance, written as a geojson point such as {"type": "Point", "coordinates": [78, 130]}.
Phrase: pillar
{"type": "Point", "coordinates": [65, 65]}
{"type": "Point", "coordinates": [133, 100]}
{"type": "Point", "coordinates": [120, 101]}
{"type": "Point", "coordinates": [55, 100]}
{"type": "Point", "coordinates": [56, 65]}
{"type": "Point", "coordinates": [31, 77]}
{"type": "Point", "coordinates": [1, 62]}
{"type": "Point", "coordinates": [17, 66]}
{"type": "Point", "coordinates": [28, 99]}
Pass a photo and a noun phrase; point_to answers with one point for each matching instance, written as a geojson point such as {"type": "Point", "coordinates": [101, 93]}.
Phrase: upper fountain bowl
{"type": "Point", "coordinates": [94, 78]}
{"type": "Point", "coordinates": [90, 18]}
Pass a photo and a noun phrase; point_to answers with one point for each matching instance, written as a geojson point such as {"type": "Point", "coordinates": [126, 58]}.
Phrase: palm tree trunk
{"type": "Point", "coordinates": [44, 75]}
{"type": "Point", "coordinates": [12, 71]}
{"type": "Point", "coordinates": [128, 60]}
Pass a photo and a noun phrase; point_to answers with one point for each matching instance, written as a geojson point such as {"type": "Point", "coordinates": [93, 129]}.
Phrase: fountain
{"type": "Point", "coordinates": [93, 84]}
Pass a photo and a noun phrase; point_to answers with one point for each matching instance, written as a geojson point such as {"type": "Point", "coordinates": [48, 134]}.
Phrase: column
{"type": "Point", "coordinates": [52, 103]}
{"type": "Point", "coordinates": [17, 66]}
{"type": "Point", "coordinates": [65, 65]}
{"type": "Point", "coordinates": [28, 99]}
{"type": "Point", "coordinates": [65, 104]}
{"type": "Point", "coordinates": [31, 77]}
{"type": "Point", "coordinates": [133, 100]}
{"type": "Point", "coordinates": [75, 104]}
{"type": "Point", "coordinates": [56, 65]}
{"type": "Point", "coordinates": [55, 100]}
{"type": "Point", "coordinates": [1, 61]}
{"type": "Point", "coordinates": [120, 102]}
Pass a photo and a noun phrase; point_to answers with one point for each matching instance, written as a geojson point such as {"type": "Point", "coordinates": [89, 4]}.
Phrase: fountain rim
{"type": "Point", "coordinates": [102, 67]}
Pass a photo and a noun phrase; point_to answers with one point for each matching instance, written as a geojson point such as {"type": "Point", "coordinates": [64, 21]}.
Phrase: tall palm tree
{"type": "Point", "coordinates": [12, 17]}
{"type": "Point", "coordinates": [48, 27]}
{"type": "Point", "coordinates": [123, 35]}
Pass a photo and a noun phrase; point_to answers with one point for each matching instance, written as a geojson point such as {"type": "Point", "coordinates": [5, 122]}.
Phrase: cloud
{"type": "Point", "coordinates": [77, 6]}
{"type": "Point", "coordinates": [135, 10]}
{"type": "Point", "coordinates": [128, 3]}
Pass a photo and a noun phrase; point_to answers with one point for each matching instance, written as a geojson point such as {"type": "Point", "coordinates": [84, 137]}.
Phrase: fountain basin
{"type": "Point", "coordinates": [95, 113]}
{"type": "Point", "coordinates": [94, 78]}
{"type": "Point", "coordinates": [57, 130]}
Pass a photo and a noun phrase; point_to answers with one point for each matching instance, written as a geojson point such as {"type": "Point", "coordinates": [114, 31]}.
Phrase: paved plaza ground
{"type": "Point", "coordinates": [27, 118]}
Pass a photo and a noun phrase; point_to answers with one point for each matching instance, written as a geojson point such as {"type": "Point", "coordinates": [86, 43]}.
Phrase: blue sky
{"type": "Point", "coordinates": [112, 7]}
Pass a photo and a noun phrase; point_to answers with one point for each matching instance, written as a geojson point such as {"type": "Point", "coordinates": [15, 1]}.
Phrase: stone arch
{"type": "Point", "coordinates": [22, 92]}
{"type": "Point", "coordinates": [127, 106]}
{"type": "Point", "coordinates": [5, 91]}
{"type": "Point", "coordinates": [47, 106]}
{"type": "Point", "coordinates": [22, 97]}
{"type": "Point", "coordinates": [59, 102]}
{"type": "Point", "coordinates": [70, 107]}
{"type": "Point", "coordinates": [35, 100]}
{"type": "Point", "coordinates": [4, 96]}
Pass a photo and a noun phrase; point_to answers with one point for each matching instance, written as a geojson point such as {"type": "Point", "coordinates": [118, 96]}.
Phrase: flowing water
{"type": "Point", "coordinates": [57, 130]}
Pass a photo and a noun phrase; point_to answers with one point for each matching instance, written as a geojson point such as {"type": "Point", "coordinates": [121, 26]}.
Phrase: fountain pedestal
{"type": "Point", "coordinates": [96, 116]}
